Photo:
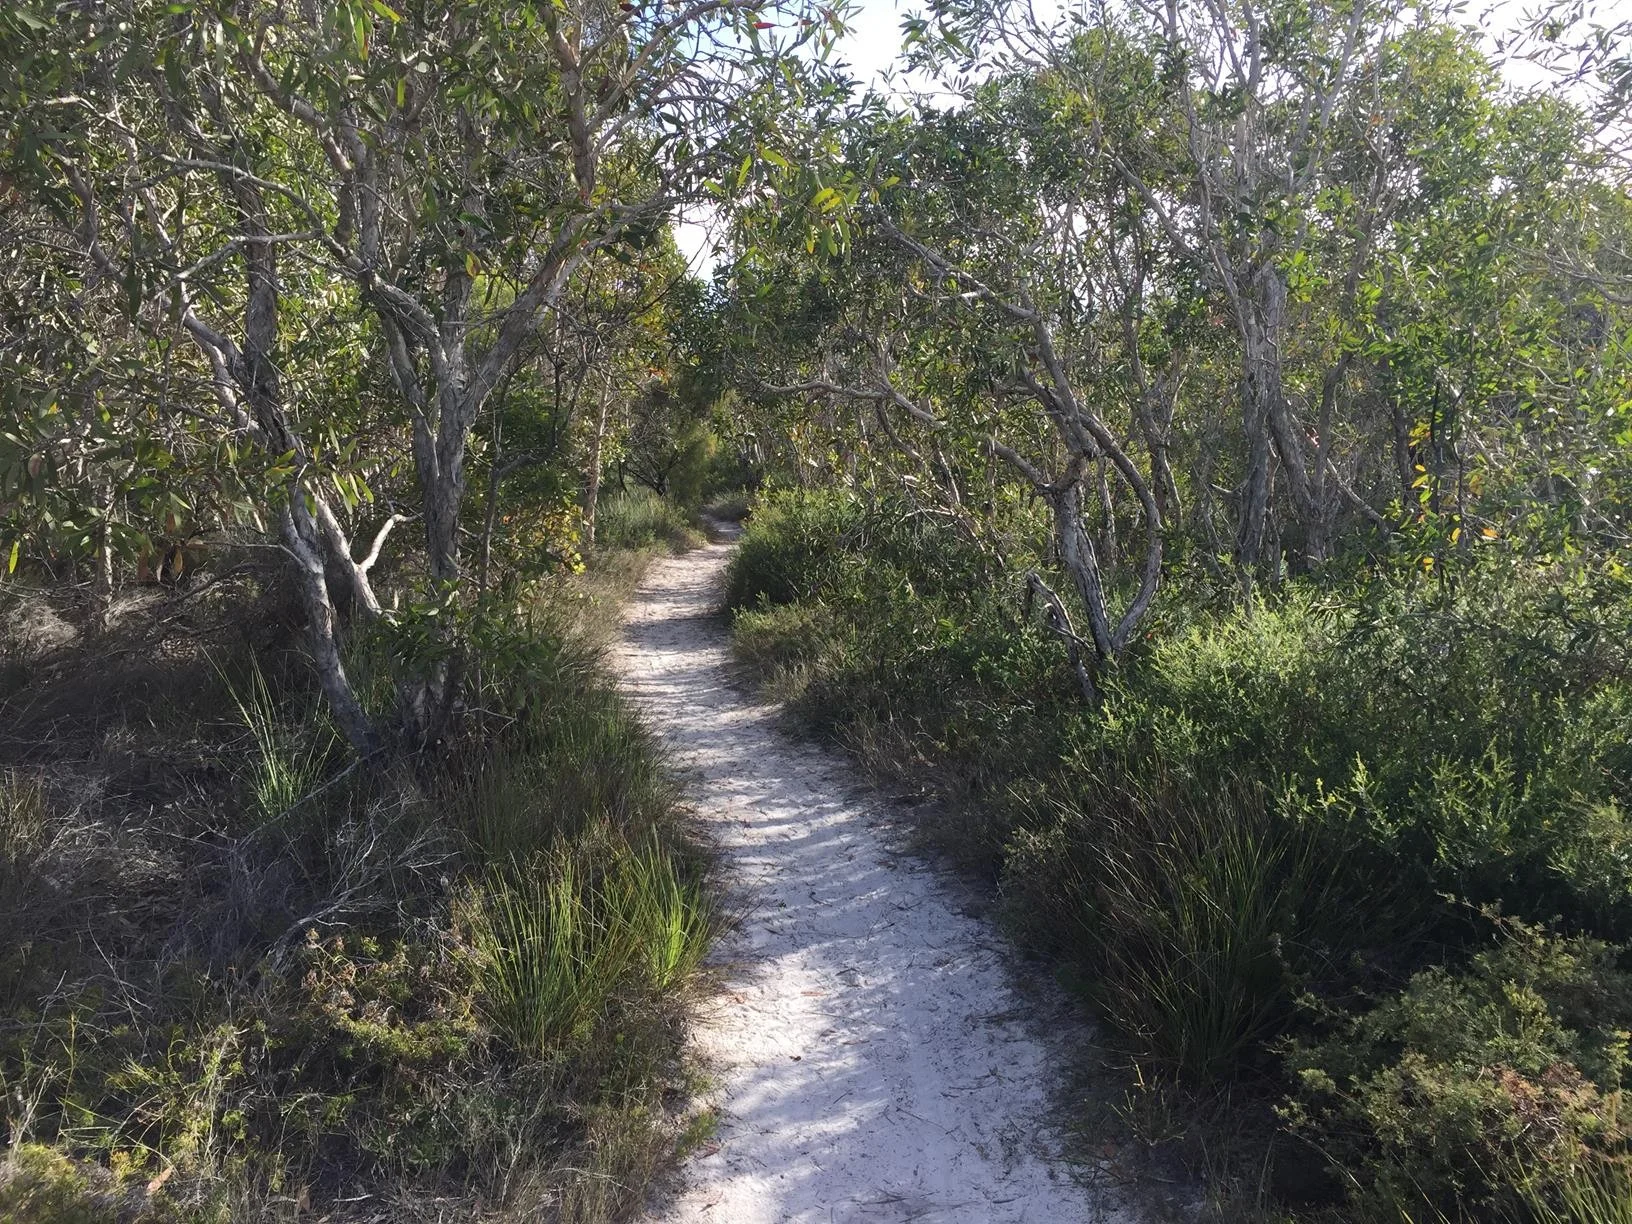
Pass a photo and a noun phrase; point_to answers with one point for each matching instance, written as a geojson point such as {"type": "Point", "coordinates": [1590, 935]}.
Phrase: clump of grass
{"type": "Point", "coordinates": [558, 939]}
{"type": "Point", "coordinates": [23, 831]}
{"type": "Point", "coordinates": [30, 902]}
{"type": "Point", "coordinates": [778, 641]}
{"type": "Point", "coordinates": [290, 753]}
{"type": "Point", "coordinates": [1196, 901]}
{"type": "Point", "coordinates": [639, 519]}
{"type": "Point", "coordinates": [1598, 1190]}
{"type": "Point", "coordinates": [550, 958]}
{"type": "Point", "coordinates": [579, 761]}
{"type": "Point", "coordinates": [667, 910]}
{"type": "Point", "coordinates": [1192, 916]}
{"type": "Point", "coordinates": [39, 1185]}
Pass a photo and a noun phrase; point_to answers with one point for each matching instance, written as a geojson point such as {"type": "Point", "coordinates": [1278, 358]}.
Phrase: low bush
{"type": "Point", "coordinates": [791, 549]}
{"type": "Point", "coordinates": [1474, 1089]}
{"type": "Point", "coordinates": [640, 519]}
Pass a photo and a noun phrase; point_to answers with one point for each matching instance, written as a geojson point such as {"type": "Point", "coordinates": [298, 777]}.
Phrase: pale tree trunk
{"type": "Point", "coordinates": [303, 542]}
{"type": "Point", "coordinates": [592, 483]}
{"type": "Point", "coordinates": [104, 557]}
{"type": "Point", "coordinates": [310, 530]}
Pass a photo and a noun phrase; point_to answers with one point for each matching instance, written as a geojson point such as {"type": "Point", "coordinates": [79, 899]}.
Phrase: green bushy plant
{"type": "Point", "coordinates": [1471, 1086]}
{"type": "Point", "coordinates": [788, 549]}
{"type": "Point", "coordinates": [39, 1185]}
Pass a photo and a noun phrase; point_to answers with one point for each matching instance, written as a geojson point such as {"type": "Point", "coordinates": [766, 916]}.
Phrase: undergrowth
{"type": "Point", "coordinates": [241, 979]}
{"type": "Point", "coordinates": [1354, 853]}
{"type": "Point", "coordinates": [639, 519]}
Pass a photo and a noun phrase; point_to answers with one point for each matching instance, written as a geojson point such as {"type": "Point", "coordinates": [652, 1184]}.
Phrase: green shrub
{"type": "Point", "coordinates": [549, 957]}
{"type": "Point", "coordinates": [780, 641]}
{"type": "Point", "coordinates": [790, 548]}
{"type": "Point", "coordinates": [1197, 908]}
{"type": "Point", "coordinates": [732, 506]}
{"type": "Point", "coordinates": [576, 759]}
{"type": "Point", "coordinates": [664, 904]}
{"type": "Point", "coordinates": [1469, 1086]}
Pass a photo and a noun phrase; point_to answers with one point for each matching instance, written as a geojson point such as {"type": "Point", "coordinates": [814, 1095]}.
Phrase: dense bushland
{"type": "Point", "coordinates": [1359, 846]}
{"type": "Point", "coordinates": [1211, 426]}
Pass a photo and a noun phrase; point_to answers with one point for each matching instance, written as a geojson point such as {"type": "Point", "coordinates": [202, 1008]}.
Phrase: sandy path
{"type": "Point", "coordinates": [871, 1059]}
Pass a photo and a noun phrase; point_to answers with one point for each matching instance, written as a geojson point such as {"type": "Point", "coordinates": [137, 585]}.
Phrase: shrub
{"type": "Point", "coordinates": [790, 548]}
{"type": "Point", "coordinates": [42, 1186]}
{"type": "Point", "coordinates": [550, 957]}
{"type": "Point", "coordinates": [576, 759]}
{"type": "Point", "coordinates": [1471, 1085]}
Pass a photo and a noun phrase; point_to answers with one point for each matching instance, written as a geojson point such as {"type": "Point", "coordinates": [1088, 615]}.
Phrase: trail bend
{"type": "Point", "coordinates": [871, 1060]}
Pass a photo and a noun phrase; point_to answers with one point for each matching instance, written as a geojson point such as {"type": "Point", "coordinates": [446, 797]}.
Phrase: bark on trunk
{"type": "Point", "coordinates": [592, 484]}
{"type": "Point", "coordinates": [301, 538]}
{"type": "Point", "coordinates": [306, 516]}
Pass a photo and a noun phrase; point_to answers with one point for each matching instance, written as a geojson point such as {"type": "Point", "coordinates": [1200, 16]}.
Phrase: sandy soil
{"type": "Point", "coordinates": [872, 1059]}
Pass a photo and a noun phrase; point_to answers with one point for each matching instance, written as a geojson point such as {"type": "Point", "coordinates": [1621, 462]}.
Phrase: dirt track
{"type": "Point", "coordinates": [872, 1060]}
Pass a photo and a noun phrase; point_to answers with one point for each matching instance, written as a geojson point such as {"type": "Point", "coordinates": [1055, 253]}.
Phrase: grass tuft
{"type": "Point", "coordinates": [639, 519]}
{"type": "Point", "coordinates": [290, 757]}
{"type": "Point", "coordinates": [559, 937]}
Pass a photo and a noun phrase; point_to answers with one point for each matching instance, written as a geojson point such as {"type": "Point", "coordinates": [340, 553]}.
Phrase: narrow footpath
{"type": "Point", "coordinates": [871, 1061]}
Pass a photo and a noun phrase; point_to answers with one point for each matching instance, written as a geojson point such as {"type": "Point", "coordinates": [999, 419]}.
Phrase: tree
{"type": "Point", "coordinates": [439, 174]}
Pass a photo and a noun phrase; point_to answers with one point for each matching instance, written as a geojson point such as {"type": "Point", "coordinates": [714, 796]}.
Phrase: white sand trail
{"type": "Point", "coordinates": [872, 1061]}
